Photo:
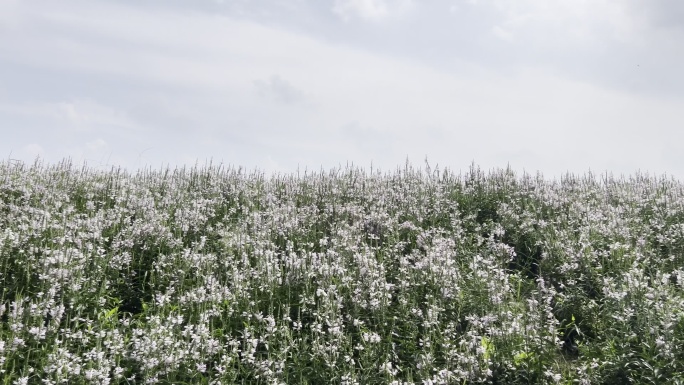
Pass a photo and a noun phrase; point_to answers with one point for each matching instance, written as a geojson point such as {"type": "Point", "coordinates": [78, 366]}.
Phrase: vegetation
{"type": "Point", "coordinates": [219, 276]}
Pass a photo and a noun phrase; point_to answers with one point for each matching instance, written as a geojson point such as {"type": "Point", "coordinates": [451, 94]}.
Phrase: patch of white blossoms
{"type": "Point", "coordinates": [416, 277]}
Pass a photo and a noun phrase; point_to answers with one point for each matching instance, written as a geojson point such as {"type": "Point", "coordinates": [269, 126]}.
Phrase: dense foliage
{"type": "Point", "coordinates": [218, 276]}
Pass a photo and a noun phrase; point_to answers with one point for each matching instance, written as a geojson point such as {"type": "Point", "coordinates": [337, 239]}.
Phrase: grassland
{"type": "Point", "coordinates": [221, 276]}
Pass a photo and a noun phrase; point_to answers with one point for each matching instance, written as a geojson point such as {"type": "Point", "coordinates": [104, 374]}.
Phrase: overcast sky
{"type": "Point", "coordinates": [540, 85]}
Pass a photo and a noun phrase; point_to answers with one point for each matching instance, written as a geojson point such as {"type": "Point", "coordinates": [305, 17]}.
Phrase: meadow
{"type": "Point", "coordinates": [219, 275]}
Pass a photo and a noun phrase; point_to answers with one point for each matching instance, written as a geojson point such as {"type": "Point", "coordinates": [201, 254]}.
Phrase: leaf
{"type": "Point", "coordinates": [488, 347]}
{"type": "Point", "coordinates": [521, 357]}
{"type": "Point", "coordinates": [111, 312]}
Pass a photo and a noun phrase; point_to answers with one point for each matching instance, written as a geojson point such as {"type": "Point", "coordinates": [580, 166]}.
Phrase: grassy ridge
{"type": "Point", "coordinates": [220, 276]}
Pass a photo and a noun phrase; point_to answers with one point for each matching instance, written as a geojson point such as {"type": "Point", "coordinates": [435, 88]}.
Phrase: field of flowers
{"type": "Point", "coordinates": [220, 276]}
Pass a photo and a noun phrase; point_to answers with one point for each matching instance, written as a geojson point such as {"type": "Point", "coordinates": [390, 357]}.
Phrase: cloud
{"type": "Point", "coordinates": [10, 17]}
{"type": "Point", "coordinates": [366, 9]}
{"type": "Point", "coordinates": [502, 33]}
{"type": "Point", "coordinates": [97, 151]}
{"type": "Point", "coordinates": [32, 151]}
{"type": "Point", "coordinates": [565, 21]}
{"type": "Point", "coordinates": [661, 14]}
{"type": "Point", "coordinates": [370, 9]}
{"type": "Point", "coordinates": [181, 82]}
{"type": "Point", "coordinates": [96, 145]}
{"type": "Point", "coordinates": [279, 89]}
{"type": "Point", "coordinates": [80, 115]}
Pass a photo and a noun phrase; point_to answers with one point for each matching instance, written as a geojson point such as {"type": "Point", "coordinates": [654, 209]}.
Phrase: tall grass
{"type": "Point", "coordinates": [217, 275]}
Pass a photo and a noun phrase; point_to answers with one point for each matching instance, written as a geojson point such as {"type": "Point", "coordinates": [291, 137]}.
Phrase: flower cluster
{"type": "Point", "coordinates": [221, 276]}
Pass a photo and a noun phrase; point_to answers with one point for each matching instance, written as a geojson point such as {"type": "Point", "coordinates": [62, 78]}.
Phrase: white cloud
{"type": "Point", "coordinates": [366, 9]}
{"type": "Point", "coordinates": [96, 153]}
{"type": "Point", "coordinates": [370, 9]}
{"type": "Point", "coordinates": [87, 115]}
{"type": "Point", "coordinates": [502, 33]}
{"type": "Point", "coordinates": [75, 115]}
{"type": "Point", "coordinates": [279, 89]}
{"type": "Point", "coordinates": [660, 14]}
{"type": "Point", "coordinates": [32, 151]}
{"type": "Point", "coordinates": [182, 84]}
{"type": "Point", "coordinates": [10, 17]}
{"type": "Point", "coordinates": [571, 19]}
{"type": "Point", "coordinates": [96, 145]}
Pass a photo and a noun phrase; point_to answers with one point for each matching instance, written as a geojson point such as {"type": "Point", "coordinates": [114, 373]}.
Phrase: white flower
{"type": "Point", "coordinates": [556, 377]}
{"type": "Point", "coordinates": [387, 368]}
{"type": "Point", "coordinates": [118, 372]}
{"type": "Point", "coordinates": [372, 337]}
{"type": "Point", "coordinates": [18, 342]}
{"type": "Point", "coordinates": [90, 374]}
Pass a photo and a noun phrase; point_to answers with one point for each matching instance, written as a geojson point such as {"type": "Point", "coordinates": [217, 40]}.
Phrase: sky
{"type": "Point", "coordinates": [550, 86]}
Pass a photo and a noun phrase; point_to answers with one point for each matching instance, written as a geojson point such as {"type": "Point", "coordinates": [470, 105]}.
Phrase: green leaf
{"type": "Point", "coordinates": [522, 357]}
{"type": "Point", "coordinates": [488, 347]}
{"type": "Point", "coordinates": [111, 312]}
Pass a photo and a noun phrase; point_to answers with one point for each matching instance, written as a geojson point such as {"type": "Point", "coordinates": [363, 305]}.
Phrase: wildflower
{"type": "Point", "coordinates": [18, 342]}
{"type": "Point", "coordinates": [371, 337]}
{"type": "Point", "coordinates": [556, 377]}
{"type": "Point", "coordinates": [387, 368]}
{"type": "Point", "coordinates": [118, 372]}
